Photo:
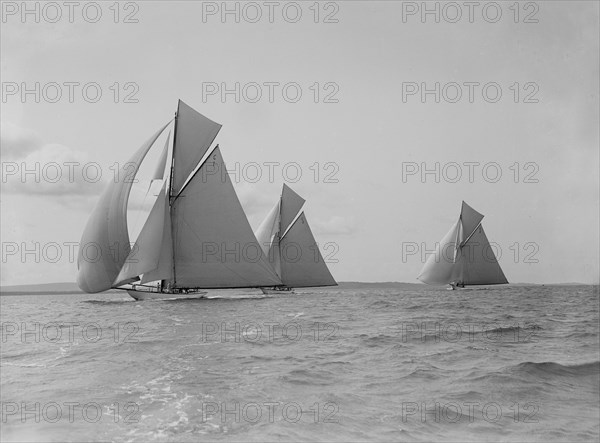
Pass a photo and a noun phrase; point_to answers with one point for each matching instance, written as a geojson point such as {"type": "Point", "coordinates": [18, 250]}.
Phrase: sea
{"type": "Point", "coordinates": [357, 362]}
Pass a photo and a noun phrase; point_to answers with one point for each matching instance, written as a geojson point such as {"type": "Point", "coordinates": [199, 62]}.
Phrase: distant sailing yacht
{"type": "Point", "coordinates": [289, 244]}
{"type": "Point", "coordinates": [464, 256]}
{"type": "Point", "coordinates": [196, 236]}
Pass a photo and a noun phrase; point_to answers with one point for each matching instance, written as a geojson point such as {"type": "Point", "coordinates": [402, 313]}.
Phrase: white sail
{"type": "Point", "coordinates": [464, 255]}
{"type": "Point", "coordinates": [291, 203]}
{"type": "Point", "coordinates": [146, 251]}
{"type": "Point", "coordinates": [440, 265]}
{"type": "Point", "coordinates": [470, 219]}
{"type": "Point", "coordinates": [477, 263]}
{"type": "Point", "coordinates": [302, 264]}
{"type": "Point", "coordinates": [267, 235]}
{"type": "Point", "coordinates": [159, 172]}
{"type": "Point", "coordinates": [105, 244]}
{"type": "Point", "coordinates": [194, 133]}
{"type": "Point", "coordinates": [290, 245]}
{"type": "Point", "coordinates": [213, 242]}
{"type": "Point", "coordinates": [164, 267]}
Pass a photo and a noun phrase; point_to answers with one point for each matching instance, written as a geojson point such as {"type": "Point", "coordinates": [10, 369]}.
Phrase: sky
{"type": "Point", "coordinates": [391, 117]}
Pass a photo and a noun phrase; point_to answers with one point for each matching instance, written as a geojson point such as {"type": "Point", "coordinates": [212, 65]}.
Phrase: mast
{"type": "Point", "coordinates": [279, 233]}
{"type": "Point", "coordinates": [457, 245]}
{"type": "Point", "coordinates": [171, 199]}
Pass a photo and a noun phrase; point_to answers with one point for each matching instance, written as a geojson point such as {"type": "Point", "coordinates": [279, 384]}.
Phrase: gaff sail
{"type": "Point", "coordinates": [464, 256]}
{"type": "Point", "coordinates": [287, 240]}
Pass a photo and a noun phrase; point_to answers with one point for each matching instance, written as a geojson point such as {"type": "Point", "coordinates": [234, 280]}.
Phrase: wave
{"type": "Point", "coordinates": [380, 339]}
{"type": "Point", "coordinates": [318, 377]}
{"type": "Point", "coordinates": [238, 297]}
{"type": "Point", "coordinates": [550, 368]}
{"type": "Point", "coordinates": [382, 304]}
{"type": "Point", "coordinates": [582, 334]}
{"type": "Point", "coordinates": [109, 302]}
{"type": "Point", "coordinates": [508, 329]}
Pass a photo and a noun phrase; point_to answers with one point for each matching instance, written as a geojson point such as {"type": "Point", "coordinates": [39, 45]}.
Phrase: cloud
{"type": "Point", "coordinates": [53, 170]}
{"type": "Point", "coordinates": [334, 225]}
{"type": "Point", "coordinates": [34, 168]}
{"type": "Point", "coordinates": [17, 142]}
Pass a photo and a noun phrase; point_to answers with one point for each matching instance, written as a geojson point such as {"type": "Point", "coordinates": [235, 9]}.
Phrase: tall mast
{"type": "Point", "coordinates": [457, 244]}
{"type": "Point", "coordinates": [171, 199]}
{"type": "Point", "coordinates": [279, 221]}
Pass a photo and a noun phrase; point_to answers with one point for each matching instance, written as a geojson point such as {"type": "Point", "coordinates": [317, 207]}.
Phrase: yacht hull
{"type": "Point", "coordinates": [147, 295]}
{"type": "Point", "coordinates": [276, 290]}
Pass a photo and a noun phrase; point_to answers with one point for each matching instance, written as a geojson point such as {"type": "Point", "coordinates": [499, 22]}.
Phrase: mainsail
{"type": "Point", "coordinates": [213, 242]}
{"type": "Point", "coordinates": [287, 240]}
{"type": "Point", "coordinates": [477, 263]}
{"type": "Point", "coordinates": [196, 235]}
{"type": "Point", "coordinates": [464, 256]}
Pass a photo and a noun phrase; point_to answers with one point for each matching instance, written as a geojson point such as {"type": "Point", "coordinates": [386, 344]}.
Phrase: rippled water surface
{"type": "Point", "coordinates": [353, 363]}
